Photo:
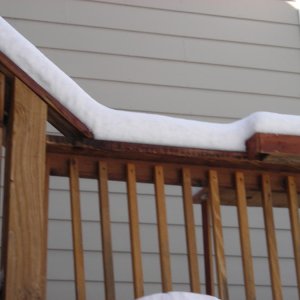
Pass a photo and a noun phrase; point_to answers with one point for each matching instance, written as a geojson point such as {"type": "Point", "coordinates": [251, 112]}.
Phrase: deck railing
{"type": "Point", "coordinates": [218, 187]}
{"type": "Point", "coordinates": [232, 179]}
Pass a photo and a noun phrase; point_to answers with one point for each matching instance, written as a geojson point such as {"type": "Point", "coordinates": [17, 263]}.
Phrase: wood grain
{"type": "Point", "coordinates": [58, 115]}
{"type": "Point", "coordinates": [46, 210]}
{"type": "Point", "coordinates": [295, 224]}
{"type": "Point", "coordinates": [24, 193]}
{"type": "Point", "coordinates": [245, 237]}
{"type": "Point", "coordinates": [138, 280]}
{"type": "Point", "coordinates": [273, 144]}
{"type": "Point", "coordinates": [77, 232]}
{"type": "Point", "coordinates": [163, 237]}
{"type": "Point", "coordinates": [5, 213]}
{"type": "Point", "coordinates": [117, 154]}
{"type": "Point", "coordinates": [190, 231]}
{"type": "Point", "coordinates": [208, 247]}
{"type": "Point", "coordinates": [2, 99]}
{"type": "Point", "coordinates": [218, 235]}
{"type": "Point", "coordinates": [108, 268]}
{"type": "Point", "coordinates": [271, 238]}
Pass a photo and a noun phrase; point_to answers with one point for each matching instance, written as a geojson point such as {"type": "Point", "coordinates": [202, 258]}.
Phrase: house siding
{"type": "Point", "coordinates": [202, 60]}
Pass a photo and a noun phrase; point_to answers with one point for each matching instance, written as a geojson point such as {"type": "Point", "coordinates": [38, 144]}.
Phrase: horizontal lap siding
{"type": "Point", "coordinates": [111, 67]}
{"type": "Point", "coordinates": [200, 60]}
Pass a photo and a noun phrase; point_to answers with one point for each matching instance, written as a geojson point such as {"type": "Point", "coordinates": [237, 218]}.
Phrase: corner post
{"type": "Point", "coordinates": [25, 171]}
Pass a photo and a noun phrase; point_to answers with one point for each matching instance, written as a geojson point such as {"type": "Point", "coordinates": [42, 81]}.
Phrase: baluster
{"type": "Point", "coordinates": [108, 269]}
{"type": "Point", "coordinates": [162, 227]}
{"type": "Point", "coordinates": [245, 236]}
{"type": "Point", "coordinates": [77, 232]}
{"type": "Point", "coordinates": [294, 218]}
{"type": "Point", "coordinates": [134, 232]}
{"type": "Point", "coordinates": [208, 256]}
{"type": "Point", "coordinates": [218, 235]}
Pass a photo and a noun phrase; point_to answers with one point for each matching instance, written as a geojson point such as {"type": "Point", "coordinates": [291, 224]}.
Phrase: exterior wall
{"type": "Point", "coordinates": [208, 60]}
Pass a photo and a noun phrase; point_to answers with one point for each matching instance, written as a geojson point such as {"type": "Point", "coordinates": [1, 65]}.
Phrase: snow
{"type": "Point", "coordinates": [178, 296]}
{"type": "Point", "coordinates": [116, 125]}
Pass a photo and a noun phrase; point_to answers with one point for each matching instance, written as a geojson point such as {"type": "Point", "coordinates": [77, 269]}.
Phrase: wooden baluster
{"type": "Point", "coordinates": [77, 232]}
{"type": "Point", "coordinates": [294, 217]}
{"type": "Point", "coordinates": [190, 231]}
{"type": "Point", "coordinates": [46, 211]}
{"type": "Point", "coordinates": [109, 280]}
{"type": "Point", "coordinates": [271, 238]}
{"type": "Point", "coordinates": [162, 227]}
{"type": "Point", "coordinates": [209, 267]}
{"type": "Point", "coordinates": [134, 232]}
{"type": "Point", "coordinates": [218, 235]}
{"type": "Point", "coordinates": [245, 236]}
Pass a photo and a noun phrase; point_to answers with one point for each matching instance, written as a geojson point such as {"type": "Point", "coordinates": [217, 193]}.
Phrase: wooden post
{"type": "Point", "coordinates": [25, 253]}
{"type": "Point", "coordinates": [4, 218]}
{"type": "Point", "coordinates": [2, 100]}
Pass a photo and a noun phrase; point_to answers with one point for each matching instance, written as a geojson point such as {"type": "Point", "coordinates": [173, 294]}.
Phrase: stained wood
{"type": "Point", "coordinates": [58, 115]}
{"type": "Point", "coordinates": [271, 238]}
{"type": "Point", "coordinates": [245, 237]}
{"type": "Point", "coordinates": [261, 144]}
{"type": "Point", "coordinates": [77, 232]}
{"type": "Point", "coordinates": [190, 231]}
{"type": "Point", "coordinates": [2, 98]}
{"type": "Point", "coordinates": [46, 210]}
{"type": "Point", "coordinates": [108, 271]}
{"type": "Point", "coordinates": [183, 155]}
{"type": "Point", "coordinates": [134, 232]}
{"type": "Point", "coordinates": [163, 237]}
{"type": "Point", "coordinates": [295, 230]}
{"type": "Point", "coordinates": [218, 235]}
{"type": "Point", "coordinates": [5, 214]}
{"type": "Point", "coordinates": [24, 194]}
{"type": "Point", "coordinates": [208, 248]}
{"type": "Point", "coordinates": [253, 198]}
{"type": "Point", "coordinates": [59, 150]}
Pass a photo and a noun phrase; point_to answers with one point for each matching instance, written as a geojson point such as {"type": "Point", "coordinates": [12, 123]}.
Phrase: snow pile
{"type": "Point", "coordinates": [110, 124]}
{"type": "Point", "coordinates": [178, 296]}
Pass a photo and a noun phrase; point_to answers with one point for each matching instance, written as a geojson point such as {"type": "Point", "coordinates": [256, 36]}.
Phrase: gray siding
{"type": "Point", "coordinates": [206, 60]}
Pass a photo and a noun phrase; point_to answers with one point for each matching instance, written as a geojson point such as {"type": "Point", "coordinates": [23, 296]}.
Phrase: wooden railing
{"type": "Point", "coordinates": [225, 178]}
{"type": "Point", "coordinates": [219, 186]}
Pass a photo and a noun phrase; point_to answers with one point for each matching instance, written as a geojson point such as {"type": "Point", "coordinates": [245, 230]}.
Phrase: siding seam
{"type": "Point", "coordinates": [152, 32]}
{"type": "Point", "coordinates": [188, 12]}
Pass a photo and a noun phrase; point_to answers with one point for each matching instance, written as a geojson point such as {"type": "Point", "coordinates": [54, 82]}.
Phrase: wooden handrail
{"type": "Point", "coordinates": [190, 231]}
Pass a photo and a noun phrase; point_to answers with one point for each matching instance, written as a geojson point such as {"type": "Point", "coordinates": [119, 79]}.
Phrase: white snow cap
{"type": "Point", "coordinates": [115, 125]}
{"type": "Point", "coordinates": [178, 296]}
